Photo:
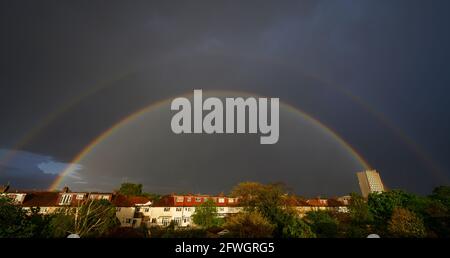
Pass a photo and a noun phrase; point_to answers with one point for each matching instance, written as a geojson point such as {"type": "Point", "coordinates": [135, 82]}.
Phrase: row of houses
{"type": "Point", "coordinates": [133, 211]}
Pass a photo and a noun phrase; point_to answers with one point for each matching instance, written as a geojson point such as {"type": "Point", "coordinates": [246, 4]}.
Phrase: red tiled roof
{"type": "Point", "coordinates": [128, 201]}
{"type": "Point", "coordinates": [41, 199]}
{"type": "Point", "coordinates": [165, 201]}
{"type": "Point", "coordinates": [335, 202]}
{"type": "Point", "coordinates": [317, 202]}
{"type": "Point", "coordinates": [192, 201]}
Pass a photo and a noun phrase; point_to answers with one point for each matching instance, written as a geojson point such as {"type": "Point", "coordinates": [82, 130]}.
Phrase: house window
{"type": "Point", "coordinates": [221, 209]}
{"type": "Point", "coordinates": [118, 209]}
{"type": "Point", "coordinates": [189, 199]}
{"type": "Point", "coordinates": [154, 220]}
{"type": "Point", "coordinates": [198, 199]}
{"type": "Point", "coordinates": [180, 198]}
{"type": "Point", "coordinates": [128, 221]}
{"type": "Point", "coordinates": [166, 208]}
{"type": "Point", "coordinates": [178, 220]}
{"type": "Point", "coordinates": [80, 196]}
{"type": "Point", "coordinates": [138, 209]}
{"type": "Point", "coordinates": [146, 210]}
{"type": "Point", "coordinates": [221, 200]}
{"type": "Point", "coordinates": [165, 221]}
{"type": "Point", "coordinates": [230, 200]}
{"type": "Point", "coordinates": [65, 199]}
{"type": "Point", "coordinates": [178, 209]}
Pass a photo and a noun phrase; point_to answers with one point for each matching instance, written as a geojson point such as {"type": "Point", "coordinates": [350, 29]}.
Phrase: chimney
{"type": "Point", "coordinates": [65, 189]}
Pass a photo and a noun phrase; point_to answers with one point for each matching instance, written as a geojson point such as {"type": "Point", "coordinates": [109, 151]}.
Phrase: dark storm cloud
{"type": "Point", "coordinates": [392, 54]}
{"type": "Point", "coordinates": [33, 171]}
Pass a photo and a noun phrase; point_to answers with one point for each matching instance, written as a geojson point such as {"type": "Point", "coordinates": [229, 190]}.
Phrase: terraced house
{"type": "Point", "coordinates": [135, 211]}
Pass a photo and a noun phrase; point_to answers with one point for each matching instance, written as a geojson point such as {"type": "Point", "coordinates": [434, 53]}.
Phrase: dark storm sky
{"type": "Point", "coordinates": [377, 72]}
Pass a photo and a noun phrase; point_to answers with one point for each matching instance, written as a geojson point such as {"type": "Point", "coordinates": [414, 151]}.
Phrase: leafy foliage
{"type": "Point", "coordinates": [322, 223]}
{"type": "Point", "coordinates": [382, 205]}
{"type": "Point", "coordinates": [405, 223]}
{"type": "Point", "coordinates": [270, 201]}
{"type": "Point", "coordinates": [92, 219]}
{"type": "Point", "coordinates": [442, 194]}
{"type": "Point", "coordinates": [249, 225]}
{"type": "Point", "coordinates": [13, 220]}
{"type": "Point", "coordinates": [205, 215]}
{"type": "Point", "coordinates": [268, 212]}
{"type": "Point", "coordinates": [129, 189]}
{"type": "Point", "coordinates": [294, 227]}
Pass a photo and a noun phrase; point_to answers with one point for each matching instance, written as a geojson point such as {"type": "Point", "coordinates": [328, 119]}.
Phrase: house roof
{"type": "Point", "coordinates": [41, 199]}
{"type": "Point", "coordinates": [191, 201]}
{"type": "Point", "coordinates": [128, 201]}
{"type": "Point", "coordinates": [51, 199]}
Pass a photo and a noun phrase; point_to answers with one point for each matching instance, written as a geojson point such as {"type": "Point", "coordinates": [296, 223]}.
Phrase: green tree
{"type": "Point", "coordinates": [253, 195]}
{"type": "Point", "coordinates": [294, 227]}
{"type": "Point", "coordinates": [441, 194]}
{"type": "Point", "coordinates": [271, 201]}
{"type": "Point", "coordinates": [152, 196]}
{"type": "Point", "coordinates": [359, 210]}
{"type": "Point", "coordinates": [359, 221]}
{"type": "Point", "coordinates": [205, 215]}
{"type": "Point", "coordinates": [249, 225]}
{"type": "Point", "coordinates": [14, 222]}
{"type": "Point", "coordinates": [40, 223]}
{"type": "Point", "coordinates": [436, 212]}
{"type": "Point", "coordinates": [382, 205]}
{"type": "Point", "coordinates": [130, 189]}
{"type": "Point", "coordinates": [322, 223]}
{"type": "Point", "coordinates": [93, 218]}
{"type": "Point", "coordinates": [405, 223]}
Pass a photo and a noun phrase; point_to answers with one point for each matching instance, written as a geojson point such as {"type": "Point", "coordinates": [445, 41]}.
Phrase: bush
{"type": "Point", "coordinates": [405, 223]}
{"type": "Point", "coordinates": [249, 225]}
{"type": "Point", "coordinates": [322, 223]}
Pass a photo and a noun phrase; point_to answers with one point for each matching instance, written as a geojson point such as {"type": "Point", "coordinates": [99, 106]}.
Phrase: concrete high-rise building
{"type": "Point", "coordinates": [370, 182]}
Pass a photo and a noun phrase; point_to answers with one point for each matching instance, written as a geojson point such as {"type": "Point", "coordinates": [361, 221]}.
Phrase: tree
{"type": "Point", "coordinates": [405, 223]}
{"type": "Point", "coordinates": [92, 219]}
{"type": "Point", "coordinates": [322, 223]}
{"type": "Point", "coordinates": [441, 194]}
{"type": "Point", "coordinates": [14, 222]}
{"type": "Point", "coordinates": [40, 223]}
{"type": "Point", "coordinates": [436, 212]}
{"type": "Point", "coordinates": [358, 222]}
{"type": "Point", "coordinates": [256, 195]}
{"type": "Point", "coordinates": [152, 196]}
{"type": "Point", "coordinates": [249, 225]}
{"type": "Point", "coordinates": [382, 205]}
{"type": "Point", "coordinates": [130, 189]}
{"type": "Point", "coordinates": [271, 201]}
{"type": "Point", "coordinates": [205, 215]}
{"type": "Point", "coordinates": [294, 227]}
{"type": "Point", "coordinates": [359, 210]}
